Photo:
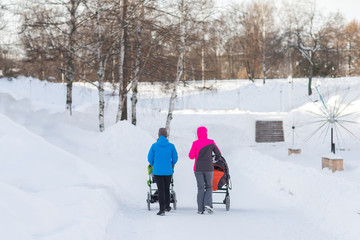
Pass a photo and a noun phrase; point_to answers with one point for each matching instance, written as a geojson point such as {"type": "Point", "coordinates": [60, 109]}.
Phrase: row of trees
{"type": "Point", "coordinates": [127, 41]}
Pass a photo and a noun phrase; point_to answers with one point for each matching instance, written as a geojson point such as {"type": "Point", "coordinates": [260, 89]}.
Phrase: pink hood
{"type": "Point", "coordinates": [202, 133]}
{"type": "Point", "coordinates": [197, 145]}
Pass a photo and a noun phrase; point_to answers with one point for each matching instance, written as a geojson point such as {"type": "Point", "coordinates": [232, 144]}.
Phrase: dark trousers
{"type": "Point", "coordinates": [163, 185]}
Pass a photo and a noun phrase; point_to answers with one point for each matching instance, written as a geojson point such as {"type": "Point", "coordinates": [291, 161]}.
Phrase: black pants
{"type": "Point", "coordinates": [163, 185]}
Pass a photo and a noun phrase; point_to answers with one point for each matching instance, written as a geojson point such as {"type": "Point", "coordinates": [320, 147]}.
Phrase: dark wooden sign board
{"type": "Point", "coordinates": [269, 131]}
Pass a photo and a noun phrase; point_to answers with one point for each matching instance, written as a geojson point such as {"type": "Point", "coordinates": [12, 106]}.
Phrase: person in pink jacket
{"type": "Point", "coordinates": [202, 151]}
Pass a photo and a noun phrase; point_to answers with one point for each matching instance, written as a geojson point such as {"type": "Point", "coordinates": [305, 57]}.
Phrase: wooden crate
{"type": "Point", "coordinates": [294, 151]}
{"type": "Point", "coordinates": [333, 164]}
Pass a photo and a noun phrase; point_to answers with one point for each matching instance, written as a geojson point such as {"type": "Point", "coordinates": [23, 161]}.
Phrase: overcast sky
{"type": "Point", "coordinates": [349, 8]}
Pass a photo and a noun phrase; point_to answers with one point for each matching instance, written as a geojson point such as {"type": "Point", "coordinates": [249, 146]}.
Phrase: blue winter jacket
{"type": "Point", "coordinates": [162, 156]}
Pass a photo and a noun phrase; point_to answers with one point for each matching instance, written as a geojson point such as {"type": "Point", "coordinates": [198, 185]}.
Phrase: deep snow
{"type": "Point", "coordinates": [62, 179]}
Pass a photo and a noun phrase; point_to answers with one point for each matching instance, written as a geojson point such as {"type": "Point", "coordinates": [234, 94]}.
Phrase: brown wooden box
{"type": "Point", "coordinates": [294, 151]}
{"type": "Point", "coordinates": [333, 164]}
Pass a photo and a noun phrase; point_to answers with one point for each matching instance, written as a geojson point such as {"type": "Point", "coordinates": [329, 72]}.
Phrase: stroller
{"type": "Point", "coordinates": [153, 195]}
{"type": "Point", "coordinates": [221, 181]}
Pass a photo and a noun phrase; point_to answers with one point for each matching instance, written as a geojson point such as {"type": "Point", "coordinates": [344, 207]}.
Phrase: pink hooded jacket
{"type": "Point", "coordinates": [202, 151]}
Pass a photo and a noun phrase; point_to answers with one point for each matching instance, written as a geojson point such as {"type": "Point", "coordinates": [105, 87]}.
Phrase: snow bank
{"type": "Point", "coordinates": [49, 191]}
{"type": "Point", "coordinates": [326, 198]}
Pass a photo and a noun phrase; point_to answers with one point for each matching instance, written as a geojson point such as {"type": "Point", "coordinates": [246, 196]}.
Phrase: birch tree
{"type": "Point", "coordinates": [101, 48]}
{"type": "Point", "coordinates": [122, 109]}
{"type": "Point", "coordinates": [68, 21]}
{"type": "Point", "coordinates": [101, 66]}
{"type": "Point", "coordinates": [143, 32]}
{"type": "Point", "coordinates": [180, 67]}
{"type": "Point", "coordinates": [70, 66]}
{"type": "Point", "coordinates": [134, 87]}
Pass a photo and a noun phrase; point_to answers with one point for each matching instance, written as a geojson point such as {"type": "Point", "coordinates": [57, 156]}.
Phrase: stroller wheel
{"type": "Point", "coordinates": [227, 202]}
{"type": "Point", "coordinates": [148, 200]}
{"type": "Point", "coordinates": [173, 195]}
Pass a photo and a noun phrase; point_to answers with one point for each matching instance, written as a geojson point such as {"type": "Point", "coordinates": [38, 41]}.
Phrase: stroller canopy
{"type": "Point", "coordinates": [221, 174]}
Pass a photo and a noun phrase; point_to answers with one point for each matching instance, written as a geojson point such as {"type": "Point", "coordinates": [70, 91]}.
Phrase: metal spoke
{"type": "Point", "coordinates": [348, 104]}
{"type": "Point", "coordinates": [322, 99]}
{"type": "Point", "coordinates": [349, 132]}
{"type": "Point", "coordinates": [324, 114]}
{"type": "Point", "coordinates": [337, 134]}
{"type": "Point", "coordinates": [348, 114]}
{"type": "Point", "coordinates": [348, 121]}
{"type": "Point", "coordinates": [313, 133]}
{"type": "Point", "coordinates": [326, 132]}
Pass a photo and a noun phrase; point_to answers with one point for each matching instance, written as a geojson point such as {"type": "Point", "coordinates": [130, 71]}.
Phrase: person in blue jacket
{"type": "Point", "coordinates": [163, 157]}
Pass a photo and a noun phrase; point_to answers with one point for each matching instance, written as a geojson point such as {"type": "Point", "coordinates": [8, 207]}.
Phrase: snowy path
{"type": "Point", "coordinates": [256, 213]}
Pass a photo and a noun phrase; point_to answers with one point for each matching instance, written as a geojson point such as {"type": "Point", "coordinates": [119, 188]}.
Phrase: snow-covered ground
{"type": "Point", "coordinates": [62, 179]}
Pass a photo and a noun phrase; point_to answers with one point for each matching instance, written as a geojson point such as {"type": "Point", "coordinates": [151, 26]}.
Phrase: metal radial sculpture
{"type": "Point", "coordinates": [334, 116]}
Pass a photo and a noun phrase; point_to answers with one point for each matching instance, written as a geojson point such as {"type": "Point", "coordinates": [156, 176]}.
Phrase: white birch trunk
{"type": "Point", "coordinates": [203, 45]}
{"type": "Point", "coordinates": [134, 86]}
{"type": "Point", "coordinates": [122, 88]}
{"type": "Point", "coordinates": [203, 64]}
{"type": "Point", "coordinates": [70, 60]}
{"type": "Point", "coordinates": [100, 71]}
{"type": "Point", "coordinates": [264, 56]}
{"type": "Point", "coordinates": [180, 67]}
{"type": "Point", "coordinates": [264, 29]}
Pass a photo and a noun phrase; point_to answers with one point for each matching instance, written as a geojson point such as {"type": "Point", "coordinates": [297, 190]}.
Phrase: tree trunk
{"type": "Point", "coordinates": [230, 64]}
{"type": "Point", "coordinates": [122, 109]}
{"type": "Point", "coordinates": [134, 86]}
{"type": "Point", "coordinates": [218, 65]}
{"type": "Point", "coordinates": [180, 68]}
{"type": "Point", "coordinates": [70, 60]}
{"type": "Point", "coordinates": [310, 79]}
{"type": "Point", "coordinates": [248, 71]}
{"type": "Point", "coordinates": [203, 64]}
{"type": "Point", "coordinates": [100, 72]}
{"type": "Point", "coordinates": [264, 19]}
{"type": "Point", "coordinates": [203, 55]}
{"type": "Point", "coordinates": [349, 59]}
{"type": "Point", "coordinates": [101, 105]}
{"type": "Point", "coordinates": [264, 58]}
{"type": "Point", "coordinates": [69, 83]}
